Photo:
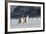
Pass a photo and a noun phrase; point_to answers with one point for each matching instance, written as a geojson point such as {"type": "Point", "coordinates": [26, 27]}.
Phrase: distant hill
{"type": "Point", "coordinates": [26, 11]}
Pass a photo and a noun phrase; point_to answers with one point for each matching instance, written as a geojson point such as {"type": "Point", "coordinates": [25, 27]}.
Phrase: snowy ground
{"type": "Point", "coordinates": [32, 23]}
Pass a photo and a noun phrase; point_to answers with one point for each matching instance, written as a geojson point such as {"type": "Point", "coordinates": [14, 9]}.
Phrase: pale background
{"type": "Point", "coordinates": [2, 17]}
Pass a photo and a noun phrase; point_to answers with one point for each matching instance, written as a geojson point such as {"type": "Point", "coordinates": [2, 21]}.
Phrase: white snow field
{"type": "Point", "coordinates": [32, 23]}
